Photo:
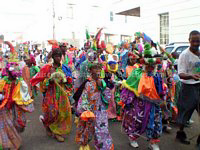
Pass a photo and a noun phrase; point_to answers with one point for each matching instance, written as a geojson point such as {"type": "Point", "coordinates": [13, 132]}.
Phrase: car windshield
{"type": "Point", "coordinates": [180, 49]}
{"type": "Point", "coordinates": [169, 49]}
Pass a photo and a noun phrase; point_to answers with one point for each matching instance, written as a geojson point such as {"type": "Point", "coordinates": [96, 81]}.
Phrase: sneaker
{"type": "Point", "coordinates": [153, 147]}
{"type": "Point", "coordinates": [134, 144]}
{"type": "Point", "coordinates": [190, 122]}
{"type": "Point", "coordinates": [167, 129]}
{"type": "Point", "coordinates": [59, 138]}
{"type": "Point", "coordinates": [41, 118]}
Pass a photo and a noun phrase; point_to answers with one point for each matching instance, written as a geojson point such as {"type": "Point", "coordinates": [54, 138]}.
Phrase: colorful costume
{"type": "Point", "coordinates": [91, 110]}
{"type": "Point", "coordinates": [91, 100]}
{"type": "Point", "coordinates": [141, 97]}
{"type": "Point", "coordinates": [109, 79]}
{"type": "Point", "coordinates": [55, 106]}
{"type": "Point", "coordinates": [14, 102]}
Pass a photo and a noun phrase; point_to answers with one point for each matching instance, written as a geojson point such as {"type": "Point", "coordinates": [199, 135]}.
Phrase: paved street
{"type": "Point", "coordinates": [34, 137]}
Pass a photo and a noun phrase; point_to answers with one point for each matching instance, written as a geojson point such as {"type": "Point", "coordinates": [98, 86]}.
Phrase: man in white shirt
{"type": "Point", "coordinates": [189, 73]}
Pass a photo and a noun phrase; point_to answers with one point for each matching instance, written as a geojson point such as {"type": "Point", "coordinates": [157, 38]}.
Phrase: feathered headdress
{"type": "Point", "coordinates": [150, 57]}
{"type": "Point", "coordinates": [12, 49]}
{"type": "Point", "coordinates": [93, 59]}
{"type": "Point", "coordinates": [13, 56]}
{"type": "Point", "coordinates": [12, 65]}
{"type": "Point", "coordinates": [87, 35]}
{"type": "Point", "coordinates": [26, 54]}
{"type": "Point", "coordinates": [96, 41]}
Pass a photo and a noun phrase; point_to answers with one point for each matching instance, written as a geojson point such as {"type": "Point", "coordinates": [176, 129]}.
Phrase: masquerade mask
{"type": "Point", "coordinates": [14, 69]}
{"type": "Point", "coordinates": [112, 69]}
{"type": "Point", "coordinates": [92, 56]}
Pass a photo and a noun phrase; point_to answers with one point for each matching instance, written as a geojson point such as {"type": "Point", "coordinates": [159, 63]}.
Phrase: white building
{"type": "Point", "coordinates": [164, 21]}
{"type": "Point", "coordinates": [73, 17]}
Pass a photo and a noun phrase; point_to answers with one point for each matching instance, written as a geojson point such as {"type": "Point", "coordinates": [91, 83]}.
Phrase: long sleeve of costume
{"type": "Point", "coordinates": [85, 104]}
{"type": "Point", "coordinates": [41, 75]}
{"type": "Point", "coordinates": [26, 76]}
{"type": "Point", "coordinates": [21, 95]}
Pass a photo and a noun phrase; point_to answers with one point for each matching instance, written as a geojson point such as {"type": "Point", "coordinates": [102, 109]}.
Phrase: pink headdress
{"type": "Point", "coordinates": [32, 59]}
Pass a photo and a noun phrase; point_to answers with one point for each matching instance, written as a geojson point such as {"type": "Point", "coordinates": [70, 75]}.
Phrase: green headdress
{"type": "Point", "coordinates": [148, 54]}
{"type": "Point", "coordinates": [87, 35]}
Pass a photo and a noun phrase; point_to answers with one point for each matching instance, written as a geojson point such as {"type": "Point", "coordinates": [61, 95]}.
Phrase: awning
{"type": "Point", "coordinates": [131, 12]}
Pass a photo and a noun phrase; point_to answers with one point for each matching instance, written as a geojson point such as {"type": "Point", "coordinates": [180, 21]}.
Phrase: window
{"type": "Point", "coordinates": [126, 38]}
{"type": "Point", "coordinates": [111, 16]}
{"type": "Point", "coordinates": [108, 38]}
{"type": "Point", "coordinates": [73, 35]}
{"type": "Point", "coordinates": [70, 12]}
{"type": "Point", "coordinates": [164, 28]}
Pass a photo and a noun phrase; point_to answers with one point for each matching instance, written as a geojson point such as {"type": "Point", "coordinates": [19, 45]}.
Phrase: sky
{"type": "Point", "coordinates": [22, 16]}
{"type": "Point", "coordinates": [18, 15]}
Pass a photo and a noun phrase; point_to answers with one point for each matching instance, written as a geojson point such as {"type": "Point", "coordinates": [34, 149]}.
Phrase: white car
{"type": "Point", "coordinates": [178, 47]}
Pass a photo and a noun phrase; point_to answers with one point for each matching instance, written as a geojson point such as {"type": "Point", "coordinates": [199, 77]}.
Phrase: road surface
{"type": "Point", "coordinates": [35, 138]}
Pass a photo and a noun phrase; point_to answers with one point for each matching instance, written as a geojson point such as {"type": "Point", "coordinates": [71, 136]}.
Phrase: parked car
{"type": "Point", "coordinates": [178, 47]}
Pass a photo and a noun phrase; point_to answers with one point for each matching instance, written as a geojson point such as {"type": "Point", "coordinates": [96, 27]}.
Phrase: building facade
{"type": "Point", "coordinates": [72, 18]}
{"type": "Point", "coordinates": [165, 21]}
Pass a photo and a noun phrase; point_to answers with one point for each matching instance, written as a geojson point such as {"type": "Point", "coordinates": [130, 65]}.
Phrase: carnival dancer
{"type": "Point", "coordinates": [111, 69]}
{"type": "Point", "coordinates": [87, 56]}
{"type": "Point", "coordinates": [139, 45]}
{"type": "Point", "coordinates": [56, 84]}
{"type": "Point", "coordinates": [14, 102]}
{"type": "Point", "coordinates": [93, 120]}
{"type": "Point", "coordinates": [132, 59]}
{"type": "Point", "coordinates": [67, 60]}
{"type": "Point", "coordinates": [28, 71]}
{"type": "Point", "coordinates": [141, 98]}
{"type": "Point", "coordinates": [124, 57]}
{"type": "Point", "coordinates": [173, 86]}
{"type": "Point", "coordinates": [113, 80]}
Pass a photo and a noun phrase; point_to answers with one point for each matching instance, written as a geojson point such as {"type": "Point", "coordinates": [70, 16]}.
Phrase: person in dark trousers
{"type": "Point", "coordinates": [189, 73]}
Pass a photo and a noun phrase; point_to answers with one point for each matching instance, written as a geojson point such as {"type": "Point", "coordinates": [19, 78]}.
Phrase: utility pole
{"type": "Point", "coordinates": [53, 19]}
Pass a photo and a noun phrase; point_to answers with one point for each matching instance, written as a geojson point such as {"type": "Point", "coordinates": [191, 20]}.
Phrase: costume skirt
{"type": "Point", "coordinates": [9, 137]}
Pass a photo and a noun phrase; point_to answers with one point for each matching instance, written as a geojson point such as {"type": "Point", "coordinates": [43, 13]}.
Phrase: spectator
{"type": "Point", "coordinates": [189, 73]}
